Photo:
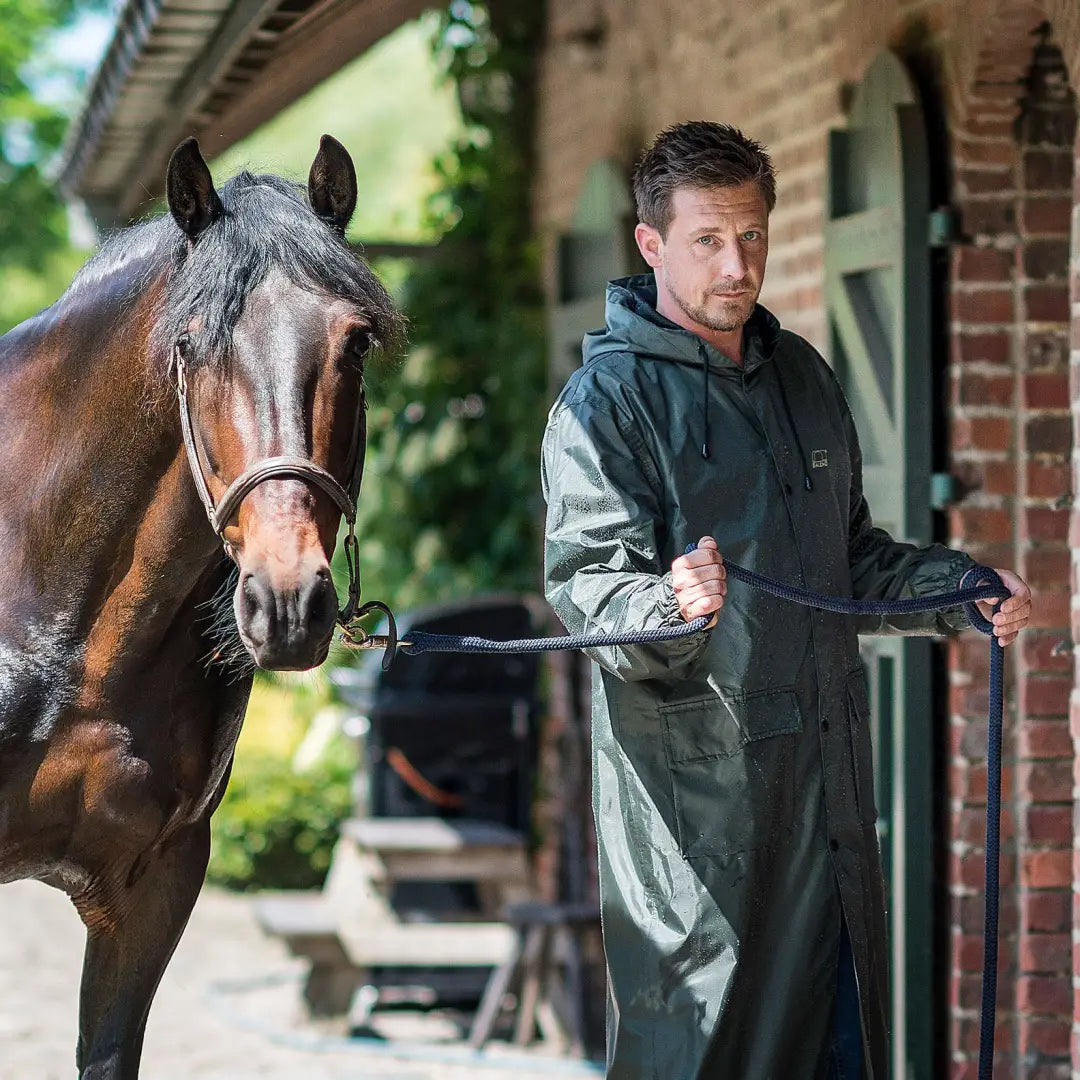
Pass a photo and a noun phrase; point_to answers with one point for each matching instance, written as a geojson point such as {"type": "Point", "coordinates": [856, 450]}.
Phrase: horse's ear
{"type": "Point", "coordinates": [190, 189]}
{"type": "Point", "coordinates": [332, 184]}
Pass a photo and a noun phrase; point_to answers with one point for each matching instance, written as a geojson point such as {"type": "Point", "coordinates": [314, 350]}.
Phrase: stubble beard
{"type": "Point", "coordinates": [732, 315]}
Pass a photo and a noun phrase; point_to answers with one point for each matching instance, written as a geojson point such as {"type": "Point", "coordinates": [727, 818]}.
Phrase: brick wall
{"type": "Point", "coordinates": [1011, 440]}
{"type": "Point", "coordinates": [616, 71]}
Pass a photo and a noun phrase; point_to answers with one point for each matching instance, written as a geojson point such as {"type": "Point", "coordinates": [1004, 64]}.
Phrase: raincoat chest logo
{"type": "Point", "coordinates": [819, 459]}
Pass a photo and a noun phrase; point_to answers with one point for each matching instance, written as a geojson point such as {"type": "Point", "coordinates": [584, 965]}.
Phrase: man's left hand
{"type": "Point", "coordinates": [1014, 613]}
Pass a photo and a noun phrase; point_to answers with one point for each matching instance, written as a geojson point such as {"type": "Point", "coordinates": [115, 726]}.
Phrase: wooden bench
{"type": "Point", "coordinates": [351, 926]}
{"type": "Point", "coordinates": [546, 967]}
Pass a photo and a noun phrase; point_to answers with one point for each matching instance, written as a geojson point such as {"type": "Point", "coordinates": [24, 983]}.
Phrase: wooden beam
{"type": "Point", "coordinates": [304, 58]}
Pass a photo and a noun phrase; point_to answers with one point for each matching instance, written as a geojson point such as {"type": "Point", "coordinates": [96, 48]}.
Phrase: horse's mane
{"type": "Point", "coordinates": [266, 224]}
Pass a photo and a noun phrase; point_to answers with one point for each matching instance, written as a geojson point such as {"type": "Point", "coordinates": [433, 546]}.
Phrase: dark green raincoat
{"type": "Point", "coordinates": [732, 770]}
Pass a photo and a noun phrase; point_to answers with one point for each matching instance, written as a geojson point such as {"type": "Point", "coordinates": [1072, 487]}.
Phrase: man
{"type": "Point", "coordinates": [741, 885]}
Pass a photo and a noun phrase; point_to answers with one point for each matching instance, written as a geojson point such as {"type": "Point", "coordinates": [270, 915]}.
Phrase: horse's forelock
{"type": "Point", "coordinates": [266, 224]}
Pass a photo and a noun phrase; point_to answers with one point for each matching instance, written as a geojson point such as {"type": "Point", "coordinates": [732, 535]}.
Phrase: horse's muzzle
{"type": "Point", "coordinates": [286, 628]}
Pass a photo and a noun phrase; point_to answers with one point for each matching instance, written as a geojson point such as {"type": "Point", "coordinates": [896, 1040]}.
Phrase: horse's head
{"type": "Point", "coordinates": [269, 319]}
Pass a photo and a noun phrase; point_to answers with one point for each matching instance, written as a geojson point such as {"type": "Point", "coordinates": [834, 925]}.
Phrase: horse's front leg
{"type": "Point", "coordinates": [125, 958]}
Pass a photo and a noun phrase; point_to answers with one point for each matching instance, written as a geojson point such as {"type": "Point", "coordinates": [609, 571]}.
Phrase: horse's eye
{"type": "Point", "coordinates": [184, 347]}
{"type": "Point", "coordinates": [358, 344]}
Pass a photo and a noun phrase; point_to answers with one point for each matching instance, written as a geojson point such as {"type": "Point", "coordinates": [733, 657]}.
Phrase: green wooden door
{"type": "Point", "coordinates": [598, 246]}
{"type": "Point", "coordinates": [877, 273]}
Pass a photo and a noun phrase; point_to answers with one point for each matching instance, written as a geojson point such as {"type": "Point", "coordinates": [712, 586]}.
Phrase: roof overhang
{"type": "Point", "coordinates": [216, 69]}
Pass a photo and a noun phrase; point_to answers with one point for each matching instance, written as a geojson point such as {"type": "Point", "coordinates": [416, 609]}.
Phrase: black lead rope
{"type": "Point", "coordinates": [418, 642]}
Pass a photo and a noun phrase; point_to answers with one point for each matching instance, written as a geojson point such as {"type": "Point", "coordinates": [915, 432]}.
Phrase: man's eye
{"type": "Point", "coordinates": [753, 234]}
{"type": "Point", "coordinates": [705, 240]}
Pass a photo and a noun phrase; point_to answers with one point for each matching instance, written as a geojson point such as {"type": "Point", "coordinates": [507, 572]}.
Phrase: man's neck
{"type": "Point", "coordinates": [729, 342]}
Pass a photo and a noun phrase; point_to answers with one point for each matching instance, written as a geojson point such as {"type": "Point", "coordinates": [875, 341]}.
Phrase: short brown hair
{"type": "Point", "coordinates": [698, 154]}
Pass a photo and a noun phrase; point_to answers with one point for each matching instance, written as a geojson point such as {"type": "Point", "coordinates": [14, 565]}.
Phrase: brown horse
{"type": "Point", "coordinates": [241, 320]}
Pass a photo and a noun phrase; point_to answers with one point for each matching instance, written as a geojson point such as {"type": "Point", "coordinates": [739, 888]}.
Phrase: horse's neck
{"type": "Point", "coordinates": [100, 531]}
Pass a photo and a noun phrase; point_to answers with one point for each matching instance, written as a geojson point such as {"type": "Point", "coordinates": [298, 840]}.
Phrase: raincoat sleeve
{"type": "Point", "coordinates": [886, 569]}
{"type": "Point", "coordinates": [602, 568]}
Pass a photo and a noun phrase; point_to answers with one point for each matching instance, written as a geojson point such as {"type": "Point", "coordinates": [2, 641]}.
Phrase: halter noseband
{"type": "Point", "coordinates": [279, 468]}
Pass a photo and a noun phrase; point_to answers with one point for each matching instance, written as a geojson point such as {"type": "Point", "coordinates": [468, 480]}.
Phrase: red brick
{"type": "Point", "coordinates": [972, 700]}
{"type": "Point", "coordinates": [1046, 303]}
{"type": "Point", "coordinates": [1046, 390]}
{"type": "Point", "coordinates": [1046, 566]}
{"type": "Point", "coordinates": [1046, 781]}
{"type": "Point", "coordinates": [1049, 824]}
{"type": "Point", "coordinates": [1044, 651]}
{"type": "Point", "coordinates": [1039, 1036]}
{"type": "Point", "coordinates": [967, 652]}
{"type": "Point", "coordinates": [980, 523]}
{"type": "Point", "coordinates": [1049, 609]}
{"type": "Point", "coordinates": [1050, 912]}
{"type": "Point", "coordinates": [967, 952]}
{"type": "Point", "coordinates": [1046, 259]}
{"type": "Point", "coordinates": [970, 870]}
{"type": "Point", "coordinates": [984, 181]}
{"type": "Point", "coordinates": [990, 125]}
{"type": "Point", "coordinates": [1048, 434]}
{"type": "Point", "coordinates": [1044, 994]}
{"type": "Point", "coordinates": [1048, 953]}
{"type": "Point", "coordinates": [992, 477]}
{"type": "Point", "coordinates": [1048, 170]}
{"type": "Point", "coordinates": [990, 217]}
{"type": "Point", "coordinates": [984, 264]}
{"type": "Point", "coordinates": [968, 782]}
{"type": "Point", "coordinates": [1047, 869]}
{"type": "Point", "coordinates": [982, 347]}
{"type": "Point", "coordinates": [969, 824]}
{"type": "Point", "coordinates": [982, 305]}
{"type": "Point", "coordinates": [1042, 523]}
{"type": "Point", "coordinates": [997, 152]}
{"type": "Point", "coordinates": [1048, 481]}
{"type": "Point", "coordinates": [1051, 214]}
{"type": "Point", "coordinates": [1047, 738]}
{"type": "Point", "coordinates": [1045, 696]}
{"type": "Point", "coordinates": [977, 388]}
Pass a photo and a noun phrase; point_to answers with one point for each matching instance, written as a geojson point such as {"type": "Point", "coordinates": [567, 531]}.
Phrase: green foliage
{"type": "Point", "coordinates": [394, 114]}
{"type": "Point", "coordinates": [276, 827]}
{"type": "Point", "coordinates": [33, 225]}
{"type": "Point", "coordinates": [450, 502]}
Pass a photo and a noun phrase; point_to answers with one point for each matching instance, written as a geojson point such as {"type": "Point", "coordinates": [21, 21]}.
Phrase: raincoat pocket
{"type": "Point", "coordinates": [862, 752]}
{"type": "Point", "coordinates": [731, 760]}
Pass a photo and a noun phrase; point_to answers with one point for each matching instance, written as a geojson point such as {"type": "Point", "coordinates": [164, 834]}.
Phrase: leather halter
{"type": "Point", "coordinates": [278, 468]}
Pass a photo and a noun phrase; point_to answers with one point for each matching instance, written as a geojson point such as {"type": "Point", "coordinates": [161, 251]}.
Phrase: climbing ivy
{"type": "Point", "coordinates": [450, 504]}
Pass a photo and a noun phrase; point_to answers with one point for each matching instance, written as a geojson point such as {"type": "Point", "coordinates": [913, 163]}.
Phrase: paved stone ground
{"type": "Point", "coordinates": [228, 1008]}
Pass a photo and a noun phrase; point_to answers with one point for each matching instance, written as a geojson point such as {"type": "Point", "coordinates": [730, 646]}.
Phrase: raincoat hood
{"type": "Point", "coordinates": [635, 328]}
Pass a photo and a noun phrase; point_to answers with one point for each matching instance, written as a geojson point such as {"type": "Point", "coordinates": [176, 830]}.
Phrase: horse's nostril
{"type": "Point", "coordinates": [257, 607]}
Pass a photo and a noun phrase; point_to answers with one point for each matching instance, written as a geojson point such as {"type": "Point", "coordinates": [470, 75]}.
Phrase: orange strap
{"type": "Point", "coordinates": [423, 787]}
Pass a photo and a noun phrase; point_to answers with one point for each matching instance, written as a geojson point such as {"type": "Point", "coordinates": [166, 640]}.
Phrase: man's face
{"type": "Point", "coordinates": [712, 261]}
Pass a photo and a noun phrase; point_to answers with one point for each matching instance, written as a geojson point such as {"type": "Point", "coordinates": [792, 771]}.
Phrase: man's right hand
{"type": "Point", "coordinates": [700, 581]}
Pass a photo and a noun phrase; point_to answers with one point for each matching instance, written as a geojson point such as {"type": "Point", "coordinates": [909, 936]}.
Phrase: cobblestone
{"type": "Point", "coordinates": [228, 1008]}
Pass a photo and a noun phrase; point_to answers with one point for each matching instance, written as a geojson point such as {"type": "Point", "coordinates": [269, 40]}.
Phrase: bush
{"type": "Point", "coordinates": [276, 828]}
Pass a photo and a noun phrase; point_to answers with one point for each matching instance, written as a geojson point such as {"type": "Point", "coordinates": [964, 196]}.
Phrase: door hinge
{"type": "Point", "coordinates": [944, 227]}
{"type": "Point", "coordinates": [942, 490]}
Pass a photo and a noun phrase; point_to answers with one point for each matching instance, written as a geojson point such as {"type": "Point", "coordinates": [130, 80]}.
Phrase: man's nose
{"type": "Point", "coordinates": [732, 261]}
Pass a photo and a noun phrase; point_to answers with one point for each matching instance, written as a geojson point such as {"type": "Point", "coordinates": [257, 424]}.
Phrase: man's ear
{"type": "Point", "coordinates": [650, 243]}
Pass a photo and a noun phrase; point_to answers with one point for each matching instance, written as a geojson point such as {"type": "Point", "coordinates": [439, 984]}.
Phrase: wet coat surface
{"type": "Point", "coordinates": [732, 770]}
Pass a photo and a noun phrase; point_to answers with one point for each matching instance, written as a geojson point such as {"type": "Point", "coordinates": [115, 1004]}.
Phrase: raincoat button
{"type": "Point", "coordinates": [824, 725]}
{"type": "Point", "coordinates": [787, 489]}
{"type": "Point", "coordinates": [834, 845]}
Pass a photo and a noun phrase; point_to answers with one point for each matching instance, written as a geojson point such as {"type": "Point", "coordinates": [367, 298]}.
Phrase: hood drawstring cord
{"type": "Point", "coordinates": [706, 450]}
{"type": "Point", "coordinates": [807, 482]}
